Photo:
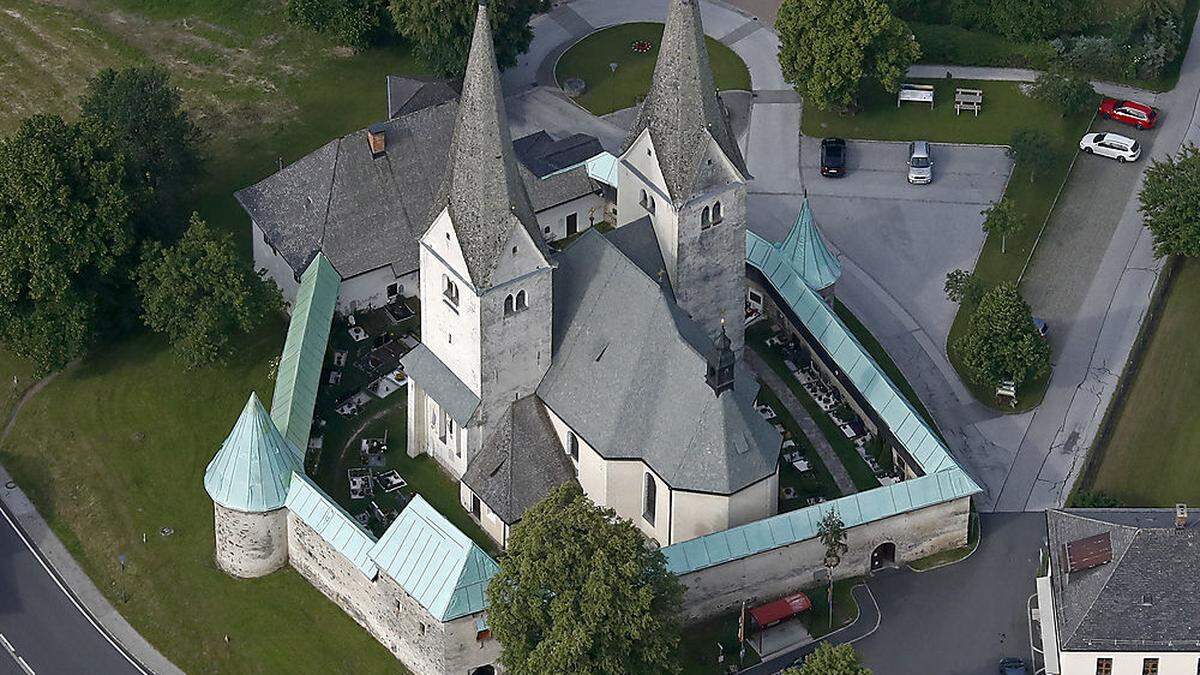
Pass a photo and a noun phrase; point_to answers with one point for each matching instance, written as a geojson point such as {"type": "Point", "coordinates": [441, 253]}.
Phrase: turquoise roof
{"type": "Point", "coordinates": [434, 562]}
{"type": "Point", "coordinates": [338, 528]}
{"type": "Point", "coordinates": [304, 351]}
{"type": "Point", "coordinates": [253, 469]}
{"type": "Point", "coordinates": [601, 168]}
{"type": "Point", "coordinates": [944, 479]}
{"type": "Point", "coordinates": [805, 250]}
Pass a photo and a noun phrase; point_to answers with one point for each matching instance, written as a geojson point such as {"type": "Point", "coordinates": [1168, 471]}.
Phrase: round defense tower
{"type": "Point", "coordinates": [248, 481]}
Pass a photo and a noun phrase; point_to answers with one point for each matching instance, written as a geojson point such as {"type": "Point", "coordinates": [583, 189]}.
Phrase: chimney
{"type": "Point", "coordinates": [1181, 516]}
{"type": "Point", "coordinates": [377, 139]}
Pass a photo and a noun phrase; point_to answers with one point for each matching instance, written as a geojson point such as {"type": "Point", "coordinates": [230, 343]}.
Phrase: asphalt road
{"type": "Point", "coordinates": [41, 622]}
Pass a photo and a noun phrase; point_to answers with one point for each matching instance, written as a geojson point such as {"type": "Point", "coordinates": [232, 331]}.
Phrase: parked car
{"type": "Point", "coordinates": [1013, 666]}
{"type": "Point", "coordinates": [920, 163]}
{"type": "Point", "coordinates": [1132, 113]}
{"type": "Point", "coordinates": [1042, 327]}
{"type": "Point", "coordinates": [1121, 148]}
{"type": "Point", "coordinates": [833, 157]}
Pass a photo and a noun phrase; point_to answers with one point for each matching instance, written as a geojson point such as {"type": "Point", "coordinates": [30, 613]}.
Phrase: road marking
{"type": "Point", "coordinates": [70, 596]}
{"type": "Point", "coordinates": [8, 646]}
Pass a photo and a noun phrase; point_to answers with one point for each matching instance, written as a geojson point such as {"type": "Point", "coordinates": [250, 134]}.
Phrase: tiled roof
{"type": "Point", "coordinates": [304, 352]}
{"type": "Point", "coordinates": [806, 251]}
{"type": "Point", "coordinates": [682, 110]}
{"type": "Point", "coordinates": [331, 522]}
{"type": "Point", "coordinates": [436, 378]}
{"type": "Point", "coordinates": [434, 562]}
{"type": "Point", "coordinates": [254, 466]}
{"type": "Point", "coordinates": [407, 94]}
{"type": "Point", "coordinates": [543, 155]}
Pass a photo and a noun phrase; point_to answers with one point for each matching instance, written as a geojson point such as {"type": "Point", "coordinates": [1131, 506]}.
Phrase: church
{"type": "Point", "coordinates": [617, 361]}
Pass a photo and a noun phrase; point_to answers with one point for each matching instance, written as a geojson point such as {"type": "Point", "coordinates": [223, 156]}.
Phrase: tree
{"type": "Point", "coordinates": [1170, 203]}
{"type": "Point", "coordinates": [1002, 218]}
{"type": "Point", "coordinates": [829, 47]}
{"type": "Point", "coordinates": [1033, 149]}
{"type": "Point", "coordinates": [1026, 20]}
{"type": "Point", "coordinates": [141, 116]}
{"type": "Point", "coordinates": [440, 30]}
{"type": "Point", "coordinates": [199, 293]}
{"type": "Point", "coordinates": [964, 287]}
{"type": "Point", "coordinates": [1001, 342]}
{"type": "Point", "coordinates": [579, 591]}
{"type": "Point", "coordinates": [65, 240]}
{"type": "Point", "coordinates": [354, 23]}
{"type": "Point", "coordinates": [832, 533]}
{"type": "Point", "coordinates": [1072, 94]}
{"type": "Point", "coordinates": [830, 660]}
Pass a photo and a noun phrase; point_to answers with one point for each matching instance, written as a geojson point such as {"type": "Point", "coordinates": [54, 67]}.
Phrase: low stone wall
{"type": "Point", "coordinates": [775, 573]}
{"type": "Point", "coordinates": [423, 643]}
{"type": "Point", "coordinates": [250, 545]}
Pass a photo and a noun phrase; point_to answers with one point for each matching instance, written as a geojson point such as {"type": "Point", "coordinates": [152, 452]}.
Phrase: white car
{"type": "Point", "coordinates": [1108, 144]}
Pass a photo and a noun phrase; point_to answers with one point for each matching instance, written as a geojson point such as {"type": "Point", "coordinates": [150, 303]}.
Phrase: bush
{"type": "Point", "coordinates": [959, 46]}
{"type": "Point", "coordinates": [1095, 54]}
{"type": "Point", "coordinates": [1074, 94]}
{"type": "Point", "coordinates": [1087, 499]}
{"type": "Point", "coordinates": [354, 23]}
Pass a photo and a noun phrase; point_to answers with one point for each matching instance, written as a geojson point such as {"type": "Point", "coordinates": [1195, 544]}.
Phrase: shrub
{"type": "Point", "coordinates": [1088, 499]}
{"type": "Point", "coordinates": [1074, 94]}
{"type": "Point", "coordinates": [354, 23]}
{"type": "Point", "coordinates": [1095, 54]}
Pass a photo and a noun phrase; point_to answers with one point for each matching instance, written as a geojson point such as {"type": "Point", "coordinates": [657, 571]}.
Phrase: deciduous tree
{"type": "Point", "coordinates": [964, 287]}
{"type": "Point", "coordinates": [1072, 94]}
{"type": "Point", "coordinates": [580, 592]}
{"type": "Point", "coordinates": [1034, 150]}
{"type": "Point", "coordinates": [354, 23]}
{"type": "Point", "coordinates": [1170, 203]}
{"type": "Point", "coordinates": [832, 533]}
{"type": "Point", "coordinates": [1002, 219]}
{"type": "Point", "coordinates": [828, 48]}
{"type": "Point", "coordinates": [65, 240]}
{"type": "Point", "coordinates": [440, 30]}
{"type": "Point", "coordinates": [200, 294]}
{"type": "Point", "coordinates": [1001, 342]}
{"type": "Point", "coordinates": [830, 660]}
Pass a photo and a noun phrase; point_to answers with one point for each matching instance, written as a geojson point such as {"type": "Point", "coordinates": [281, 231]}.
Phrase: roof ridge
{"type": "Point", "coordinates": [337, 158]}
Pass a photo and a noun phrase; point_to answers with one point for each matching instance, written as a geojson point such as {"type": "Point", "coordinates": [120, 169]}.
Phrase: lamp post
{"type": "Point", "coordinates": [612, 85]}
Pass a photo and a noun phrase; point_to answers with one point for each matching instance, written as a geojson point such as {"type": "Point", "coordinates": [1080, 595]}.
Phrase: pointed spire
{"type": "Point", "coordinates": [805, 249]}
{"type": "Point", "coordinates": [720, 363]}
{"type": "Point", "coordinates": [483, 187]}
{"type": "Point", "coordinates": [682, 108]}
{"type": "Point", "coordinates": [253, 469]}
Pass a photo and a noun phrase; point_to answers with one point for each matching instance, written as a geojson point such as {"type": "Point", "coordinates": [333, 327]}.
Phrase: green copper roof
{"type": "Point", "coordinates": [434, 562]}
{"type": "Point", "coordinates": [304, 351]}
{"type": "Point", "coordinates": [807, 253]}
{"type": "Point", "coordinates": [339, 529]}
{"type": "Point", "coordinates": [253, 469]}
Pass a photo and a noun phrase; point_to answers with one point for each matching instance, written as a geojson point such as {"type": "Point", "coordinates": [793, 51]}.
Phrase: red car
{"type": "Point", "coordinates": [1132, 113]}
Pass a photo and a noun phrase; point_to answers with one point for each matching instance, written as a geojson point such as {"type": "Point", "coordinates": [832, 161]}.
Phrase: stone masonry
{"type": "Point", "coordinates": [250, 545]}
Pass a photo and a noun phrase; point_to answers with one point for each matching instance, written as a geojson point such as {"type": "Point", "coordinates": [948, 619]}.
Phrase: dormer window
{"type": "Point", "coordinates": [450, 292]}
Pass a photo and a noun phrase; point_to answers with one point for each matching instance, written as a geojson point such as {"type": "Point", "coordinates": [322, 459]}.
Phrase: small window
{"type": "Point", "coordinates": [705, 218]}
{"type": "Point", "coordinates": [450, 291]}
{"type": "Point", "coordinates": [573, 445]}
{"type": "Point", "coordinates": [649, 498]}
{"type": "Point", "coordinates": [1150, 666]}
{"type": "Point", "coordinates": [514, 250]}
{"type": "Point", "coordinates": [1104, 666]}
{"type": "Point", "coordinates": [651, 203]}
{"type": "Point", "coordinates": [643, 199]}
{"type": "Point", "coordinates": [716, 214]}
{"type": "Point", "coordinates": [521, 302]}
{"type": "Point", "coordinates": [393, 290]}
{"type": "Point", "coordinates": [508, 305]}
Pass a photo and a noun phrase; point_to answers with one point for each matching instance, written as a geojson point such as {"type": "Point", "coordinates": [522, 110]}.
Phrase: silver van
{"type": "Point", "coordinates": [920, 163]}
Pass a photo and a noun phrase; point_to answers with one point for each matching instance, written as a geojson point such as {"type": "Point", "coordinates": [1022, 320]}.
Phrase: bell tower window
{"type": "Point", "coordinates": [716, 213]}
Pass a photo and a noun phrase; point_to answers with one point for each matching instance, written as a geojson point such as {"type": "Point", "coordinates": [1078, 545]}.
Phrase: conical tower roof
{"type": "Point", "coordinates": [483, 188]}
{"type": "Point", "coordinates": [808, 253]}
{"type": "Point", "coordinates": [253, 469]}
{"type": "Point", "coordinates": [682, 110]}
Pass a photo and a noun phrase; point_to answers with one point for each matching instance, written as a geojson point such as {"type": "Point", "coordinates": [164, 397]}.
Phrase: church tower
{"type": "Point", "coordinates": [682, 169]}
{"type": "Point", "coordinates": [486, 291]}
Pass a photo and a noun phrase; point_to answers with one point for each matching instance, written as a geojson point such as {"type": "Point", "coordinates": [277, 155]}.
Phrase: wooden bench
{"type": "Point", "coordinates": [968, 99]}
{"type": "Point", "coordinates": [919, 93]}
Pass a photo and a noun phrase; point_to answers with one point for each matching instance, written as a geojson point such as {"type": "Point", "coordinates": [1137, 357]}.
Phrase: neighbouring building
{"type": "Point", "coordinates": [1120, 594]}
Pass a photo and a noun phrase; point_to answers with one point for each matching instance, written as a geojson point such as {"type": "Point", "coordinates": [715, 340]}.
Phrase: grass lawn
{"type": "Point", "coordinates": [947, 44]}
{"type": "Point", "coordinates": [1150, 459]}
{"type": "Point", "coordinates": [845, 609]}
{"type": "Point", "coordinates": [953, 555]}
{"type": "Point", "coordinates": [815, 483]}
{"type": "Point", "coordinates": [699, 648]}
{"type": "Point", "coordinates": [589, 60]}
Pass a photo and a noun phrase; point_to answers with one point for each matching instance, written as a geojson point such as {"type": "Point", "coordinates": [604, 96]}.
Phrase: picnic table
{"type": "Point", "coordinates": [917, 93]}
{"type": "Point", "coordinates": [968, 99]}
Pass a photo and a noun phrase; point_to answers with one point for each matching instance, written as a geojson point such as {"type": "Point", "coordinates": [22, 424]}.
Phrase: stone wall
{"type": "Point", "coordinates": [250, 544]}
{"type": "Point", "coordinates": [423, 643]}
{"type": "Point", "coordinates": [710, 276]}
{"type": "Point", "coordinates": [775, 573]}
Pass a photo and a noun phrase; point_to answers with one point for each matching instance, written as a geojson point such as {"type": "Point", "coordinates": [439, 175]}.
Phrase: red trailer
{"type": "Point", "coordinates": [782, 609]}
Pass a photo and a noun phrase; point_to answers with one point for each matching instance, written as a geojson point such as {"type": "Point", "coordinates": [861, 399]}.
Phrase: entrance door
{"type": "Point", "coordinates": [883, 556]}
{"type": "Point", "coordinates": [572, 224]}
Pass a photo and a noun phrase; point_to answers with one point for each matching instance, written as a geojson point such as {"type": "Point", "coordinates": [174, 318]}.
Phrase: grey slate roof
{"type": "Point", "coordinates": [628, 376]}
{"type": "Point", "coordinates": [559, 188]}
{"type": "Point", "coordinates": [483, 189]}
{"type": "Point", "coordinates": [520, 462]}
{"type": "Point", "coordinates": [407, 94]}
{"type": "Point", "coordinates": [436, 378]}
{"type": "Point", "coordinates": [639, 243]}
{"type": "Point", "coordinates": [543, 155]}
{"type": "Point", "coordinates": [1146, 599]}
{"type": "Point", "coordinates": [682, 109]}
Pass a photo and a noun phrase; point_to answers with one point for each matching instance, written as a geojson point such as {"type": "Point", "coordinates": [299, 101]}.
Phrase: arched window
{"type": "Point", "coordinates": [644, 200]}
{"type": "Point", "coordinates": [649, 498]}
{"type": "Point", "coordinates": [705, 218]}
{"type": "Point", "coordinates": [651, 203]}
{"type": "Point", "coordinates": [450, 290]}
{"type": "Point", "coordinates": [521, 302]}
{"type": "Point", "coordinates": [508, 305]}
{"type": "Point", "coordinates": [573, 445]}
{"type": "Point", "coordinates": [716, 214]}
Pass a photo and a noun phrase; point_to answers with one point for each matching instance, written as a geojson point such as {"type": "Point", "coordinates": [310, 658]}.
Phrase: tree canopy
{"type": "Point", "coordinates": [354, 23]}
{"type": "Point", "coordinates": [65, 239]}
{"type": "Point", "coordinates": [829, 48]}
{"type": "Point", "coordinates": [1001, 218]}
{"type": "Point", "coordinates": [963, 287]}
{"type": "Point", "coordinates": [1001, 342]}
{"type": "Point", "coordinates": [440, 30]}
{"type": "Point", "coordinates": [1170, 203]}
{"type": "Point", "coordinates": [140, 115]}
{"type": "Point", "coordinates": [830, 660]}
{"type": "Point", "coordinates": [1072, 94]}
{"type": "Point", "coordinates": [1034, 150]}
{"type": "Point", "coordinates": [200, 294]}
{"type": "Point", "coordinates": [579, 591]}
